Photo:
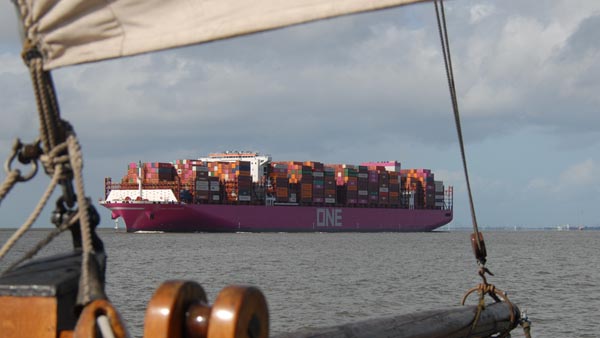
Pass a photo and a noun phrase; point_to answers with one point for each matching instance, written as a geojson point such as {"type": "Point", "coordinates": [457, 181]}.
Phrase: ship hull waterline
{"type": "Point", "coordinates": [180, 217]}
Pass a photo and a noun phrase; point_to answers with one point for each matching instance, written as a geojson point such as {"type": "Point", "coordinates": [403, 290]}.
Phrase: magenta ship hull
{"type": "Point", "coordinates": [180, 217]}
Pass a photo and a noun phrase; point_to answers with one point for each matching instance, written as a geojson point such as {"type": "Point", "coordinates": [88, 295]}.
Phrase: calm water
{"type": "Point", "coordinates": [326, 279]}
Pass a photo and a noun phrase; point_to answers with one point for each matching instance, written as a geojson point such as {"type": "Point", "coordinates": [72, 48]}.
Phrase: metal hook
{"type": "Point", "coordinates": [482, 271]}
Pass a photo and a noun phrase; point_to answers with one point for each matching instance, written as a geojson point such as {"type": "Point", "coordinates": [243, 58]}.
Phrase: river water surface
{"type": "Point", "coordinates": [318, 279]}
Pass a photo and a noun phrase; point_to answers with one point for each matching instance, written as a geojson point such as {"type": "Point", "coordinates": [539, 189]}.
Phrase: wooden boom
{"type": "Point", "coordinates": [446, 323]}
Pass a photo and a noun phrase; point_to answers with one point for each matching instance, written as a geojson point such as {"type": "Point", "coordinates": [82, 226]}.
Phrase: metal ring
{"type": "Point", "coordinates": [17, 146]}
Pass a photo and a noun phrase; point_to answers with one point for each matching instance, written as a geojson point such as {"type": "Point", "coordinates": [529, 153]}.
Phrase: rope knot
{"type": "Point", "coordinates": [57, 157]}
{"type": "Point", "coordinates": [30, 52]}
{"type": "Point", "coordinates": [489, 289]}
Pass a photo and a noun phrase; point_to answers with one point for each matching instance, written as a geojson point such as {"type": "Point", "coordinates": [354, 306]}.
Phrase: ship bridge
{"type": "Point", "coordinates": [258, 162]}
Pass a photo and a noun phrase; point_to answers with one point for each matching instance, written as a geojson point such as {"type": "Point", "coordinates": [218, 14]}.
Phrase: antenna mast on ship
{"type": "Point", "coordinates": [140, 178]}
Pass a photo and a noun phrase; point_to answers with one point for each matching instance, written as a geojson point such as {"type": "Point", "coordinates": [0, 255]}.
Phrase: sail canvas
{"type": "Point", "coordinates": [69, 32]}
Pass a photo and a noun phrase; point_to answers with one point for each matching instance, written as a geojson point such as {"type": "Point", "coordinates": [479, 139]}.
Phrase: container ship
{"type": "Point", "coordinates": [249, 192]}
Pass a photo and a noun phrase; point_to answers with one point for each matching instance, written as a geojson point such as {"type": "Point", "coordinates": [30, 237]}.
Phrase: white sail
{"type": "Point", "coordinates": [69, 32]}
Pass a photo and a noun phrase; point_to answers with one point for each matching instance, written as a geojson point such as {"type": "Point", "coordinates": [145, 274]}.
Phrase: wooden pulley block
{"type": "Point", "coordinates": [168, 307]}
{"type": "Point", "coordinates": [239, 312]}
{"type": "Point", "coordinates": [478, 245]}
{"type": "Point", "coordinates": [98, 316]}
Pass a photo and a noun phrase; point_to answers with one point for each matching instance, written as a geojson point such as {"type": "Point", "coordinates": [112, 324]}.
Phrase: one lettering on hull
{"type": "Point", "coordinates": [329, 217]}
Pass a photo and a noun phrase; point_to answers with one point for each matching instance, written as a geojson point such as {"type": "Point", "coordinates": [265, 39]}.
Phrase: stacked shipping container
{"type": "Point", "coordinates": [375, 184]}
{"type": "Point", "coordinates": [154, 172]}
{"type": "Point", "coordinates": [318, 182]}
{"type": "Point", "coordinates": [420, 184]}
{"type": "Point", "coordinates": [347, 184]}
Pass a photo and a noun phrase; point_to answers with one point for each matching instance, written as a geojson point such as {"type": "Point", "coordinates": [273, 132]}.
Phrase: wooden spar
{"type": "Point", "coordinates": [448, 323]}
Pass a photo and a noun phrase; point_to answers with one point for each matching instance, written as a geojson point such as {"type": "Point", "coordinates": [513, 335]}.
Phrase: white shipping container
{"type": "Point", "coordinates": [318, 174]}
{"type": "Point", "coordinates": [244, 198]}
{"type": "Point", "coordinates": [216, 198]}
{"type": "Point", "coordinates": [329, 200]}
{"type": "Point", "coordinates": [383, 190]}
{"type": "Point", "coordinates": [363, 192]}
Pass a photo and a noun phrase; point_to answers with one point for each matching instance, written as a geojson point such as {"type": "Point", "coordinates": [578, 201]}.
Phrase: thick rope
{"type": "Point", "coordinates": [49, 130]}
{"type": "Point", "coordinates": [46, 102]}
{"type": "Point", "coordinates": [53, 164]}
{"type": "Point", "coordinates": [41, 244]}
{"type": "Point", "coordinates": [34, 215]}
{"type": "Point", "coordinates": [11, 180]}
{"type": "Point", "coordinates": [52, 130]}
{"type": "Point", "coordinates": [35, 80]}
{"type": "Point", "coordinates": [105, 328]}
{"type": "Point", "coordinates": [498, 296]}
{"type": "Point", "coordinates": [54, 158]}
{"type": "Point", "coordinates": [443, 32]}
{"type": "Point", "coordinates": [84, 218]}
{"type": "Point", "coordinates": [13, 175]}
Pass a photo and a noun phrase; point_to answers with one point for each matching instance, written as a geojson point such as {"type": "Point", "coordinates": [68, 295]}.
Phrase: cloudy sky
{"type": "Point", "coordinates": [366, 87]}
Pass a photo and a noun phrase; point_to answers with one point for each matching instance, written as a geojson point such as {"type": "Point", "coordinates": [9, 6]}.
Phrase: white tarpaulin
{"type": "Point", "coordinates": [76, 31]}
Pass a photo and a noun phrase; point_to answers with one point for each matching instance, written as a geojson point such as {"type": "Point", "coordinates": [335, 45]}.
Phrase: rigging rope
{"type": "Point", "coordinates": [26, 154]}
{"type": "Point", "coordinates": [477, 238]}
{"type": "Point", "coordinates": [51, 130]}
{"type": "Point", "coordinates": [62, 159]}
{"type": "Point", "coordinates": [84, 218]}
{"type": "Point", "coordinates": [41, 244]}
{"type": "Point", "coordinates": [477, 241]}
{"type": "Point", "coordinates": [54, 164]}
{"type": "Point", "coordinates": [34, 215]}
{"type": "Point", "coordinates": [9, 183]}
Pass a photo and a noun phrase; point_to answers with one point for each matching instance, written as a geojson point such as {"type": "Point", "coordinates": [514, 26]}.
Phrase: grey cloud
{"type": "Point", "coordinates": [585, 39]}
